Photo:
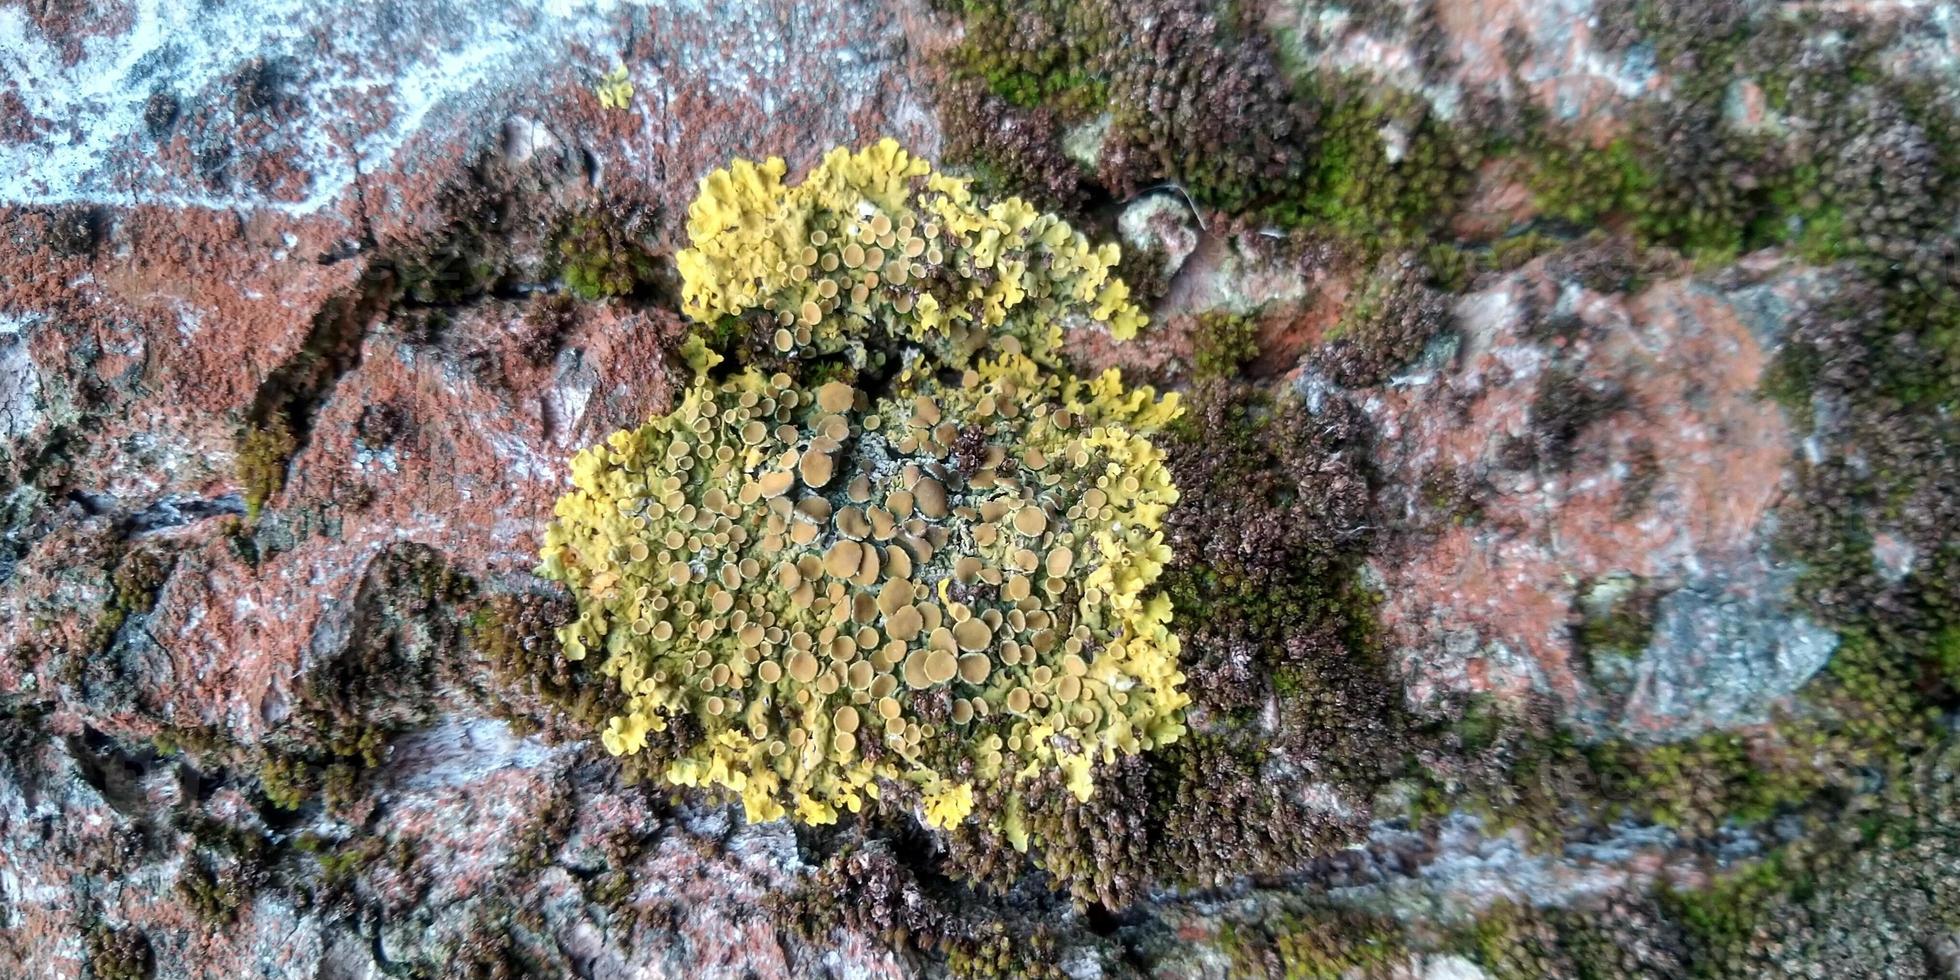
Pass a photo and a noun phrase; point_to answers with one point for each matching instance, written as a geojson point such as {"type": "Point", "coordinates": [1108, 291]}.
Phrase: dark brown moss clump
{"type": "Point", "coordinates": [864, 887]}
{"type": "Point", "coordinates": [1274, 515]}
{"type": "Point", "coordinates": [1012, 150]}
{"type": "Point", "coordinates": [1386, 324]}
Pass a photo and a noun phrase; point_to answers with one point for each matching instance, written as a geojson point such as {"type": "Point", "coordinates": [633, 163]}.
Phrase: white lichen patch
{"type": "Point", "coordinates": [354, 85]}
{"type": "Point", "coordinates": [20, 394]}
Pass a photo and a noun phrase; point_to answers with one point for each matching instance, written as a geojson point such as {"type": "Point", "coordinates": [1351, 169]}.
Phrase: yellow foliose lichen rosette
{"type": "Point", "coordinates": [810, 594]}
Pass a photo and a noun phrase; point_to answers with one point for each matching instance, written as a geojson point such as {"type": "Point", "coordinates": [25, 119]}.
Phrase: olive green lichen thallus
{"type": "Point", "coordinates": [944, 588]}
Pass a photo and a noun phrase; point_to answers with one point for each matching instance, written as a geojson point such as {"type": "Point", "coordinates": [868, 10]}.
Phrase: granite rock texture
{"type": "Point", "coordinates": [1571, 385]}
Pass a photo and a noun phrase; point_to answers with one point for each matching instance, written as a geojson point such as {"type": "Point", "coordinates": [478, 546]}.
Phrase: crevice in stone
{"type": "Point", "coordinates": [293, 392]}
{"type": "Point", "coordinates": [177, 511]}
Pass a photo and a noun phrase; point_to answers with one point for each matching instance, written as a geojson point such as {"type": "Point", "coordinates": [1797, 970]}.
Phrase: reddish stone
{"type": "Point", "coordinates": [1675, 481]}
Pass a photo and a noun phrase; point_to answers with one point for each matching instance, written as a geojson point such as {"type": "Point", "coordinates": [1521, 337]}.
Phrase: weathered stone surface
{"type": "Point", "coordinates": [1603, 436]}
{"type": "Point", "coordinates": [293, 356]}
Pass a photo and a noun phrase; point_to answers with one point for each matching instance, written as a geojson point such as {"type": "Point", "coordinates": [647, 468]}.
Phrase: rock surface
{"type": "Point", "coordinates": [1609, 436]}
{"type": "Point", "coordinates": [1576, 559]}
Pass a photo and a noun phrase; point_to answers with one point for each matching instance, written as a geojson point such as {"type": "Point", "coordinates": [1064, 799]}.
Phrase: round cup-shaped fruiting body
{"type": "Point", "coordinates": [875, 244]}
{"type": "Point", "coordinates": [895, 613]}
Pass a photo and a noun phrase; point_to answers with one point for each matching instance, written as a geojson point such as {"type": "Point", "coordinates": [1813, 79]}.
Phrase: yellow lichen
{"type": "Point", "coordinates": [875, 244]}
{"type": "Point", "coordinates": [614, 90]}
{"type": "Point", "coordinates": [821, 641]}
{"type": "Point", "coordinates": [812, 594]}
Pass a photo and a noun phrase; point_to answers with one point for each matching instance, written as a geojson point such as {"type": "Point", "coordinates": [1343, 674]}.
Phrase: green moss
{"type": "Point", "coordinates": [1590, 186]}
{"type": "Point", "coordinates": [1211, 597]}
{"type": "Point", "coordinates": [452, 273]}
{"type": "Point", "coordinates": [407, 639]}
{"type": "Point", "coordinates": [1683, 176]}
{"type": "Point", "coordinates": [1515, 942]}
{"type": "Point", "coordinates": [1945, 655]}
{"type": "Point", "coordinates": [1621, 937]}
{"type": "Point", "coordinates": [1874, 693]}
{"type": "Point", "coordinates": [119, 954]}
{"type": "Point", "coordinates": [1454, 266]}
{"type": "Point", "coordinates": [1266, 584]}
{"type": "Point", "coordinates": [286, 781]}
{"type": "Point", "coordinates": [1543, 782]}
{"type": "Point", "coordinates": [1513, 251]}
{"type": "Point", "coordinates": [1315, 942]}
{"type": "Point", "coordinates": [1843, 894]}
{"type": "Point", "coordinates": [1205, 812]}
{"type": "Point", "coordinates": [502, 941]}
{"type": "Point", "coordinates": [1818, 232]}
{"type": "Point", "coordinates": [1865, 714]}
{"type": "Point", "coordinates": [137, 579]}
{"type": "Point", "coordinates": [1539, 784]}
{"type": "Point", "coordinates": [1699, 784]}
{"type": "Point", "coordinates": [133, 587]}
{"type": "Point", "coordinates": [1836, 898]}
{"type": "Point", "coordinates": [1922, 368]}
{"type": "Point", "coordinates": [215, 896]}
{"type": "Point", "coordinates": [245, 846]}
{"type": "Point", "coordinates": [1583, 184]}
{"type": "Point", "coordinates": [1789, 381]}
{"type": "Point", "coordinates": [1615, 624]}
{"type": "Point", "coordinates": [1862, 716]}
{"type": "Point", "coordinates": [1451, 266]}
{"type": "Point", "coordinates": [1687, 177]}
{"type": "Point", "coordinates": [599, 258]}
{"type": "Point", "coordinates": [999, 954]}
{"type": "Point", "coordinates": [1727, 912]}
{"type": "Point", "coordinates": [1480, 725]}
{"type": "Point", "coordinates": [1224, 343]}
{"type": "Point", "coordinates": [1195, 95]}
{"type": "Point", "coordinates": [1040, 53]}
{"type": "Point", "coordinates": [1356, 186]}
{"type": "Point", "coordinates": [263, 452]}
{"type": "Point", "coordinates": [204, 744]}
{"type": "Point", "coordinates": [344, 863]}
